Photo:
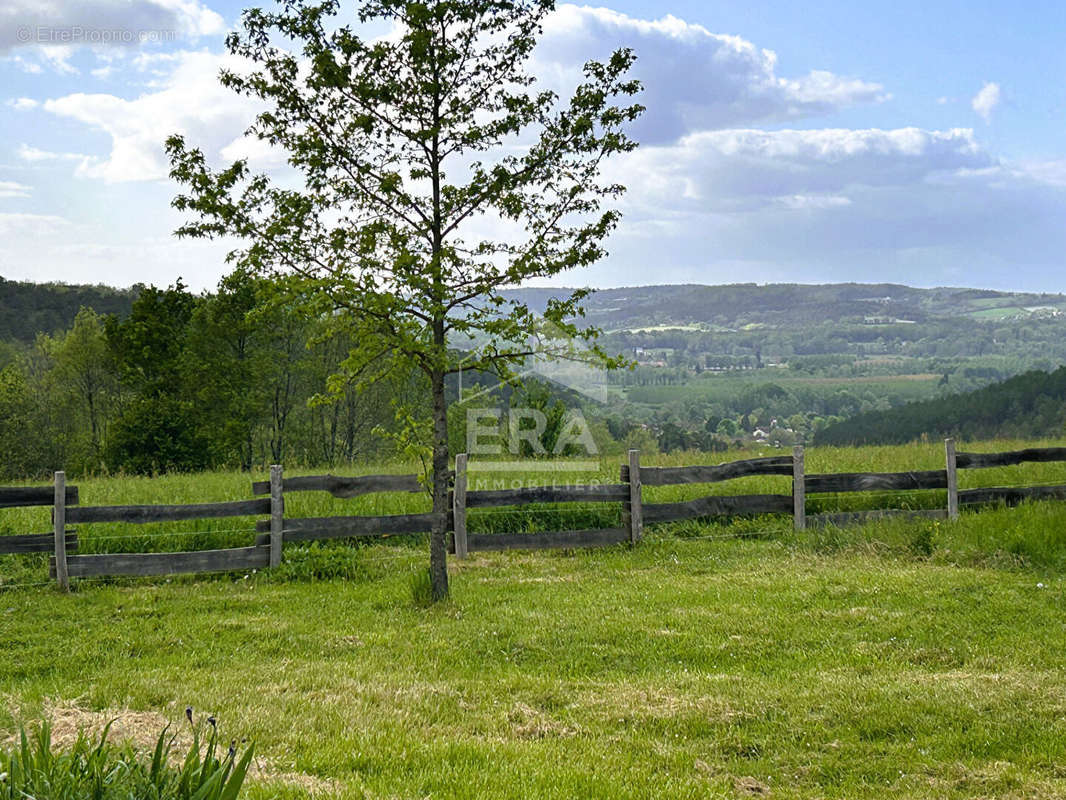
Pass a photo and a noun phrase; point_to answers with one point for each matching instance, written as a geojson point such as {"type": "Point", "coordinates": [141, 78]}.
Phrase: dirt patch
{"type": "Point", "coordinates": [644, 702]}
{"type": "Point", "coordinates": [312, 784]}
{"type": "Point", "coordinates": [530, 723]}
{"type": "Point", "coordinates": [750, 787]}
{"type": "Point", "coordinates": [141, 728]}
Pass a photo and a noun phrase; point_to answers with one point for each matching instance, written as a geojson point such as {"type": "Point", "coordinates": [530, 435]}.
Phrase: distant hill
{"type": "Point", "coordinates": [735, 306]}
{"type": "Point", "coordinates": [1031, 405]}
{"type": "Point", "coordinates": [27, 309]}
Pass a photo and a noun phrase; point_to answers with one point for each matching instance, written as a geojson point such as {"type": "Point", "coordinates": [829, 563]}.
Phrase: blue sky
{"type": "Point", "coordinates": [913, 142]}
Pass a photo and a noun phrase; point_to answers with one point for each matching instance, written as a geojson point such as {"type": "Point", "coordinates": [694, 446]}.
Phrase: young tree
{"type": "Point", "coordinates": [410, 147]}
{"type": "Point", "coordinates": [84, 365]}
{"type": "Point", "coordinates": [158, 427]}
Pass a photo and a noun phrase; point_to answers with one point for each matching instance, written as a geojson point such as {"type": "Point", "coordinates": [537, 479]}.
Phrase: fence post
{"type": "Point", "coordinates": [459, 506]}
{"type": "Point", "coordinates": [277, 514]}
{"type": "Point", "coordinates": [799, 490]}
{"type": "Point", "coordinates": [59, 517]}
{"type": "Point", "coordinates": [636, 511]}
{"type": "Point", "coordinates": [953, 479]}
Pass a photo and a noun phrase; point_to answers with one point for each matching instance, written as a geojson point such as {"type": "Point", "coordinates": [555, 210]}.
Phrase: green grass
{"type": "Point", "coordinates": [727, 387]}
{"type": "Point", "coordinates": [847, 669]}
{"type": "Point", "coordinates": [901, 660]}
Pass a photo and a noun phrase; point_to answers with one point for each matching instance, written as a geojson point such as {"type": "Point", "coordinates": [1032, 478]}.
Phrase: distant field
{"type": "Point", "coordinates": [876, 380]}
{"type": "Point", "coordinates": [735, 659]}
{"type": "Point", "coordinates": [709, 388]}
{"type": "Point", "coordinates": [999, 313]}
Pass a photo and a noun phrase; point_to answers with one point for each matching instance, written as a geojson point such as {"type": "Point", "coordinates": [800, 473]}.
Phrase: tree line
{"type": "Point", "coordinates": [26, 309]}
{"type": "Point", "coordinates": [1031, 405]}
{"type": "Point", "coordinates": [190, 382]}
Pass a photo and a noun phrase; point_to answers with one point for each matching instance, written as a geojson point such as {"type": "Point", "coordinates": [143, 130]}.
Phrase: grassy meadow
{"type": "Point", "coordinates": [717, 659]}
{"type": "Point", "coordinates": [725, 387]}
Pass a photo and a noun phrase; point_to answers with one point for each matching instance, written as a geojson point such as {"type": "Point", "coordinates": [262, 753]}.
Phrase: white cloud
{"type": "Point", "coordinates": [29, 67]}
{"type": "Point", "coordinates": [711, 198]}
{"type": "Point", "coordinates": [58, 57]}
{"type": "Point", "coordinates": [1050, 172]}
{"type": "Point", "coordinates": [814, 202]}
{"type": "Point", "coordinates": [103, 22]}
{"type": "Point", "coordinates": [262, 154]}
{"type": "Point", "coordinates": [23, 227]}
{"type": "Point", "coordinates": [734, 82]}
{"type": "Point", "coordinates": [23, 103]}
{"type": "Point", "coordinates": [12, 189]}
{"type": "Point", "coordinates": [986, 100]}
{"type": "Point", "coordinates": [736, 170]}
{"type": "Point", "coordinates": [191, 102]}
{"type": "Point", "coordinates": [693, 79]}
{"type": "Point", "coordinates": [34, 154]}
{"type": "Point", "coordinates": [836, 205]}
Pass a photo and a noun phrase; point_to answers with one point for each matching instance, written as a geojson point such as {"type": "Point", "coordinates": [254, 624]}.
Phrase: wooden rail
{"type": "Point", "coordinates": [548, 494]}
{"type": "Point", "coordinates": [310, 528]}
{"type": "Point", "coordinates": [140, 515]}
{"type": "Point", "coordinates": [344, 488]}
{"type": "Point", "coordinates": [137, 564]}
{"type": "Point", "coordinates": [841, 482]}
{"type": "Point", "coordinates": [672, 476]}
{"type": "Point", "coordinates": [35, 543]}
{"type": "Point", "coordinates": [22, 496]}
{"type": "Point", "coordinates": [1009, 459]}
{"type": "Point", "coordinates": [1011, 495]}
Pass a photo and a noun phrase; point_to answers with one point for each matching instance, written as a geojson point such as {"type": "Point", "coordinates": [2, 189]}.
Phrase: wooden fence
{"type": "Point", "coordinates": [24, 496]}
{"type": "Point", "coordinates": [277, 529]}
{"type": "Point", "coordinates": [525, 495]}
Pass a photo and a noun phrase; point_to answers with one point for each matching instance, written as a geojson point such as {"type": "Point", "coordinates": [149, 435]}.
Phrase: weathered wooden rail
{"type": "Point", "coordinates": [59, 495]}
{"type": "Point", "coordinates": [848, 482]}
{"type": "Point", "coordinates": [713, 505]}
{"type": "Point", "coordinates": [1011, 495]}
{"type": "Point", "coordinates": [280, 529]}
{"type": "Point", "coordinates": [277, 529]}
{"type": "Point", "coordinates": [62, 566]}
{"type": "Point", "coordinates": [462, 499]}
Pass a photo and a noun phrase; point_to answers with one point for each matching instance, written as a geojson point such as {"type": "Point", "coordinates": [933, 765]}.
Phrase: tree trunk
{"type": "Point", "coordinates": [438, 548]}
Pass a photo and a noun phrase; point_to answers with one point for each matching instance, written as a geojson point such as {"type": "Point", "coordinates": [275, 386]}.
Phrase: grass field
{"type": "Point", "coordinates": [726, 387]}
{"type": "Point", "coordinates": [715, 660]}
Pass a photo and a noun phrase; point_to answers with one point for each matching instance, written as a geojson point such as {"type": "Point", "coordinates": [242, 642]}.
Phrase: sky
{"type": "Point", "coordinates": [909, 141]}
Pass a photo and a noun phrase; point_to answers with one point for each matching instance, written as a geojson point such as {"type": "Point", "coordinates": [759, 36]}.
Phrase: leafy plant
{"type": "Point", "coordinates": [422, 588]}
{"type": "Point", "coordinates": [34, 770]}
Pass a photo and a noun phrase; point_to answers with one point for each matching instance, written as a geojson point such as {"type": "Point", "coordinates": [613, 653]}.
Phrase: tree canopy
{"type": "Point", "coordinates": [433, 172]}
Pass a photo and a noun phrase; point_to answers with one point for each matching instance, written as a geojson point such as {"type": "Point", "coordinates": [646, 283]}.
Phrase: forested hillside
{"type": "Point", "coordinates": [27, 309]}
{"type": "Point", "coordinates": [1032, 405]}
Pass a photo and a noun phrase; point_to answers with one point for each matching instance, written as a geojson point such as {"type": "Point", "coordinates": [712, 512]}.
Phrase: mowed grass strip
{"type": "Point", "coordinates": [794, 667]}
